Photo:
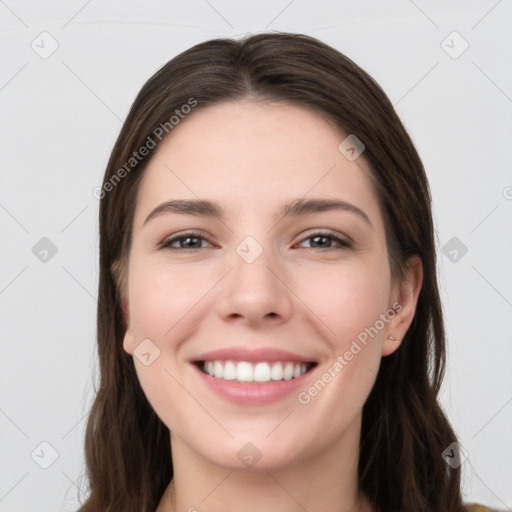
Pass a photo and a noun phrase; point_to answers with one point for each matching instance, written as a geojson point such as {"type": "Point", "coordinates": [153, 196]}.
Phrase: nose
{"type": "Point", "coordinates": [256, 293]}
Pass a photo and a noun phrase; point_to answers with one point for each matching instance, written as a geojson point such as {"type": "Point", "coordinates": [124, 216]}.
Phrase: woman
{"type": "Point", "coordinates": [270, 331]}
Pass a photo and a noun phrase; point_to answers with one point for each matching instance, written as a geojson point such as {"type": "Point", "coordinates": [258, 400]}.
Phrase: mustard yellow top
{"type": "Point", "coordinates": [475, 507]}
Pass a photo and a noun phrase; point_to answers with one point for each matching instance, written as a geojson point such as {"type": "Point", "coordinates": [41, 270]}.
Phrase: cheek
{"type": "Point", "coordinates": [161, 297]}
{"type": "Point", "coordinates": [347, 299]}
{"type": "Point", "coordinates": [162, 302]}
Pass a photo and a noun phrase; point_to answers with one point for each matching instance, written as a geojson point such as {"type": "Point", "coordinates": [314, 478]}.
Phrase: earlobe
{"type": "Point", "coordinates": [407, 293]}
{"type": "Point", "coordinates": [116, 275]}
{"type": "Point", "coordinates": [128, 342]}
{"type": "Point", "coordinates": [128, 336]}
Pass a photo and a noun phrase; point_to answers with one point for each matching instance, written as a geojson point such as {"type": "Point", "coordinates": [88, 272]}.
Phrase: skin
{"type": "Point", "coordinates": [252, 158]}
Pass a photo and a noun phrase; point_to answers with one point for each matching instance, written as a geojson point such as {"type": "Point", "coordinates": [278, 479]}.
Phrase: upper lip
{"type": "Point", "coordinates": [251, 355]}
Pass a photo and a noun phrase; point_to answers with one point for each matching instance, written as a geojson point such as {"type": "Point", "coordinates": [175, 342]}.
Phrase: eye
{"type": "Point", "coordinates": [190, 240]}
{"type": "Point", "coordinates": [324, 239]}
{"type": "Point", "coordinates": [193, 241]}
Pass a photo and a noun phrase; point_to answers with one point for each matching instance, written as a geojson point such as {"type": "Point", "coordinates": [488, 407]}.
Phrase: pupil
{"type": "Point", "coordinates": [319, 237]}
{"type": "Point", "coordinates": [187, 240]}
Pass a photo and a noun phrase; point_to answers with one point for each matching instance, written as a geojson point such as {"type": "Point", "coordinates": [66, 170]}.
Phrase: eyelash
{"type": "Point", "coordinates": [166, 244]}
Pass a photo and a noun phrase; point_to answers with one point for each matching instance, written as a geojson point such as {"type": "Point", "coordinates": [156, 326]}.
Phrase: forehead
{"type": "Point", "coordinates": [255, 156]}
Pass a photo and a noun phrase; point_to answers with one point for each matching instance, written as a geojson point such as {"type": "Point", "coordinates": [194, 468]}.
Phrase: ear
{"type": "Point", "coordinates": [128, 341]}
{"type": "Point", "coordinates": [404, 300]}
{"type": "Point", "coordinates": [128, 337]}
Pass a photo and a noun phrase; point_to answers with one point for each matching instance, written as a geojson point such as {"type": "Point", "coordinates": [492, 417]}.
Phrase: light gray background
{"type": "Point", "coordinates": [60, 117]}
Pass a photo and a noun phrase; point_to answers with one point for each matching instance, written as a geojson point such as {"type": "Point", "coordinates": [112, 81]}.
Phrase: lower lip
{"type": "Point", "coordinates": [253, 393]}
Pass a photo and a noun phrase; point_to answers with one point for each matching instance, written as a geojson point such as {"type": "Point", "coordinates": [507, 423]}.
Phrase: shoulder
{"type": "Point", "coordinates": [475, 507]}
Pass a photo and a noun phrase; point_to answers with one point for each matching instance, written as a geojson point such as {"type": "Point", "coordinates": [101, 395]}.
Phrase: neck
{"type": "Point", "coordinates": [326, 481]}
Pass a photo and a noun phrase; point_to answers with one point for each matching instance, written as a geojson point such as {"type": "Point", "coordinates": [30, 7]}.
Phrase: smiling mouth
{"type": "Point", "coordinates": [258, 372]}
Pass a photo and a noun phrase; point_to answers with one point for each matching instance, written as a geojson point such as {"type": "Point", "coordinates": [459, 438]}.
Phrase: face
{"type": "Point", "coordinates": [252, 293]}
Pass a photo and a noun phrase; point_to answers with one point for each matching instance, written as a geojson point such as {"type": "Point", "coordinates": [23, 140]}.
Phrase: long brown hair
{"type": "Point", "coordinates": [404, 429]}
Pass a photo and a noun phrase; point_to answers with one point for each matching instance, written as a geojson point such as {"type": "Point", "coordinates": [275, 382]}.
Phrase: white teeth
{"type": "Point", "coordinates": [288, 371]}
{"type": "Point", "coordinates": [229, 371]}
{"type": "Point", "coordinates": [262, 372]}
{"type": "Point", "coordinates": [277, 371]}
{"type": "Point", "coordinates": [244, 371]}
{"type": "Point", "coordinates": [219, 370]}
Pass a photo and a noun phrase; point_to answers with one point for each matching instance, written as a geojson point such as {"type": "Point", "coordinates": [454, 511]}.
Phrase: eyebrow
{"type": "Point", "coordinates": [206, 208]}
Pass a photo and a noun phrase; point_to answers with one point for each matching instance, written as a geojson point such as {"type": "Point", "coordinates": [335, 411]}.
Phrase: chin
{"type": "Point", "coordinates": [255, 454]}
